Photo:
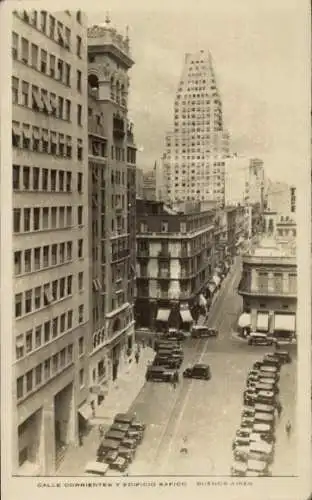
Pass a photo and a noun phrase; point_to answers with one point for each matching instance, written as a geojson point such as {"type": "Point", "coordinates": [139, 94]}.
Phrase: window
{"type": "Point", "coordinates": [36, 219]}
{"type": "Point", "coordinates": [62, 252]}
{"type": "Point", "coordinates": [67, 73]}
{"type": "Point", "coordinates": [14, 45]}
{"type": "Point", "coordinates": [80, 313]}
{"type": "Point", "coordinates": [19, 346]}
{"type": "Point", "coordinates": [25, 50]}
{"type": "Point", "coordinates": [37, 256]}
{"type": "Point", "coordinates": [60, 107]}
{"type": "Point", "coordinates": [46, 256]}
{"type": "Point", "coordinates": [79, 149]}
{"type": "Point", "coordinates": [26, 178]}
{"type": "Point", "coordinates": [55, 289]}
{"type": "Point", "coordinates": [29, 341]}
{"type": "Point", "coordinates": [52, 27]}
{"type": "Point", "coordinates": [62, 288]}
{"type": "Point", "coordinates": [45, 177]}
{"type": "Point", "coordinates": [47, 331]}
{"type": "Point", "coordinates": [292, 283]}
{"type": "Point", "coordinates": [78, 80]}
{"type": "Point", "coordinates": [69, 147]}
{"type": "Point", "coordinates": [80, 281]}
{"type": "Point", "coordinates": [69, 320]}
{"type": "Point", "coordinates": [17, 263]}
{"type": "Point", "coordinates": [80, 215]}
{"type": "Point", "coordinates": [53, 217]}
{"type": "Point", "coordinates": [38, 374]}
{"type": "Point", "coordinates": [28, 301]}
{"type": "Point", "coordinates": [79, 182]}
{"type": "Point", "coordinates": [47, 369]}
{"type": "Point", "coordinates": [18, 305]}
{"type": "Point", "coordinates": [38, 333]}
{"type": "Point", "coordinates": [52, 65]}
{"type": "Point", "coordinates": [27, 261]}
{"type": "Point", "coordinates": [62, 323]}
{"type": "Point", "coordinates": [62, 217]}
{"type": "Point", "coordinates": [80, 346]}
{"type": "Point", "coordinates": [36, 138]}
{"type": "Point", "coordinates": [164, 227]}
{"type": "Point", "coordinates": [38, 297]}
{"type": "Point", "coordinates": [29, 381]}
{"type": "Point", "coordinates": [25, 93]}
{"type": "Point", "coordinates": [17, 220]}
{"type": "Point", "coordinates": [80, 249]}
{"type": "Point", "coordinates": [15, 86]}
{"type": "Point", "coordinates": [79, 114]}
{"type": "Point", "coordinates": [44, 58]}
{"type": "Point", "coordinates": [278, 282]}
{"type": "Point", "coordinates": [81, 377]}
{"type": "Point", "coordinates": [55, 327]}
{"type": "Point", "coordinates": [69, 250]}
{"type": "Point", "coordinates": [63, 358]}
{"type": "Point", "coordinates": [67, 110]}
{"type": "Point", "coordinates": [45, 218]}
{"type": "Point", "coordinates": [263, 281]}
{"type": "Point", "coordinates": [53, 180]}
{"type": "Point", "coordinates": [20, 387]}
{"type": "Point", "coordinates": [60, 69]}
{"type": "Point", "coordinates": [70, 351]}
{"type": "Point", "coordinates": [55, 363]}
{"type": "Point", "coordinates": [61, 153]}
{"type": "Point", "coordinates": [54, 254]}
{"type": "Point", "coordinates": [26, 220]}
{"type": "Point", "coordinates": [69, 221]}
{"type": "Point", "coordinates": [69, 284]}
{"type": "Point", "coordinates": [43, 21]}
{"type": "Point", "coordinates": [78, 46]}
{"type": "Point", "coordinates": [16, 177]}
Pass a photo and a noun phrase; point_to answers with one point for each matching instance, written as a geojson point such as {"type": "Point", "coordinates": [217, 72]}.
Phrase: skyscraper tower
{"type": "Point", "coordinates": [193, 164]}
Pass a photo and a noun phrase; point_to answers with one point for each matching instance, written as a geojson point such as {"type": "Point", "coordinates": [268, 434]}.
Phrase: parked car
{"type": "Point", "coordinates": [126, 453]}
{"type": "Point", "coordinates": [265, 418]}
{"type": "Point", "coordinates": [161, 374]}
{"type": "Point", "coordinates": [199, 331]}
{"type": "Point", "coordinates": [120, 464]}
{"type": "Point", "coordinates": [242, 432]}
{"type": "Point", "coordinates": [272, 360]}
{"type": "Point", "coordinates": [199, 371]}
{"type": "Point", "coordinates": [265, 430]}
{"type": "Point", "coordinates": [266, 397]}
{"type": "Point", "coordinates": [262, 451]}
{"type": "Point", "coordinates": [240, 441]}
{"type": "Point", "coordinates": [248, 412]}
{"type": "Point", "coordinates": [129, 443]}
{"type": "Point", "coordinates": [241, 453]}
{"type": "Point", "coordinates": [175, 334]}
{"type": "Point", "coordinates": [96, 469]}
{"type": "Point", "coordinates": [265, 368]}
{"type": "Point", "coordinates": [284, 356]}
{"type": "Point", "coordinates": [239, 469]}
{"type": "Point", "coordinates": [258, 468]}
{"type": "Point", "coordinates": [131, 419]}
{"type": "Point", "coordinates": [115, 435]}
{"type": "Point", "coordinates": [166, 344]}
{"type": "Point", "coordinates": [267, 387]}
{"type": "Point", "coordinates": [263, 408]}
{"type": "Point", "coordinates": [106, 446]}
{"type": "Point", "coordinates": [256, 338]}
{"type": "Point", "coordinates": [257, 436]}
{"type": "Point", "coordinates": [167, 361]}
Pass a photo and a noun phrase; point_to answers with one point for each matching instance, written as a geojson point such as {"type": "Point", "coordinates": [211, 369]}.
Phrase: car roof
{"type": "Point", "coordinates": [200, 365]}
{"type": "Point", "coordinates": [109, 443]}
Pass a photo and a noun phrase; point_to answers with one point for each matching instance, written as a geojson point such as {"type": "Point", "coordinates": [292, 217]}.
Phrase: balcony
{"type": "Point", "coordinates": [95, 128]}
{"type": "Point", "coordinates": [164, 254]}
{"type": "Point", "coordinates": [246, 289]}
{"type": "Point", "coordinates": [123, 254]}
{"type": "Point", "coordinates": [162, 294]}
{"type": "Point", "coordinates": [118, 127]}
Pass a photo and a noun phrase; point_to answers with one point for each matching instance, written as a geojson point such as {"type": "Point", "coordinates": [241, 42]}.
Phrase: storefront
{"type": "Point", "coordinates": [162, 319]}
{"type": "Point", "coordinates": [186, 318]}
{"type": "Point", "coordinates": [284, 326]}
{"type": "Point", "coordinates": [262, 324]}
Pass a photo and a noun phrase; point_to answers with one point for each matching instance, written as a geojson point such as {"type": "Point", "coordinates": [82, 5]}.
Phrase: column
{"type": "Point", "coordinates": [48, 438]}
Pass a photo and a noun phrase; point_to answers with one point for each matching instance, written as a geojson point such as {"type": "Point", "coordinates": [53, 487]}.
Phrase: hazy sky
{"type": "Point", "coordinates": [260, 51]}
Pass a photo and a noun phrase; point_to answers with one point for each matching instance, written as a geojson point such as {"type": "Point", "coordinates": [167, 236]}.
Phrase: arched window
{"type": "Point", "coordinates": [93, 84]}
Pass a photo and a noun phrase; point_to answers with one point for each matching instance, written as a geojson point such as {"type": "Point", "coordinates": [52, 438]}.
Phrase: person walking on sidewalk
{"type": "Point", "coordinates": [288, 428]}
{"type": "Point", "coordinates": [279, 408]}
{"type": "Point", "coordinates": [137, 357]}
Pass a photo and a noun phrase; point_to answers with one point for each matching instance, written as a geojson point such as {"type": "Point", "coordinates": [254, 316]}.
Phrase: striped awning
{"type": "Point", "coordinates": [262, 322]}
{"type": "Point", "coordinates": [285, 322]}
{"type": "Point", "coordinates": [186, 316]}
{"type": "Point", "coordinates": [163, 314]}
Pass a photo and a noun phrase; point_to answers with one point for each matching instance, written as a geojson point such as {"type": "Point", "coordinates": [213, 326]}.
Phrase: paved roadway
{"type": "Point", "coordinates": [207, 413]}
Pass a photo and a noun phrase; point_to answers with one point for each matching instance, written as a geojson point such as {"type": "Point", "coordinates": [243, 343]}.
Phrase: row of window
{"type": "Point", "coordinates": [45, 218]}
{"type": "Point", "coordinates": [49, 26]}
{"type": "Point", "coordinates": [43, 372]}
{"type": "Point", "coordinates": [31, 96]}
{"type": "Point", "coordinates": [37, 337]}
{"type": "Point", "coordinates": [42, 179]}
{"type": "Point", "coordinates": [39, 297]}
{"type": "Point", "coordinates": [38, 258]}
{"type": "Point", "coordinates": [44, 141]}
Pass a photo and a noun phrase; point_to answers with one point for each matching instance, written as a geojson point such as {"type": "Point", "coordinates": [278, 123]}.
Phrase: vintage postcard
{"type": "Point", "coordinates": [156, 249]}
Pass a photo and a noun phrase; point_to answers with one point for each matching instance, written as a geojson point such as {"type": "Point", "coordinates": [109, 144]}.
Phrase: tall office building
{"type": "Point", "coordinates": [50, 232]}
{"type": "Point", "coordinates": [193, 162]}
{"type": "Point", "coordinates": [112, 227]}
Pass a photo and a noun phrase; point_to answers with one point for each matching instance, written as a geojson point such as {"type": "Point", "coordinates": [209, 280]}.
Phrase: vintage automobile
{"type": "Point", "coordinates": [106, 446]}
{"type": "Point", "coordinates": [284, 356]}
{"type": "Point", "coordinates": [266, 397]}
{"type": "Point", "coordinates": [263, 408]}
{"type": "Point", "coordinates": [129, 443]}
{"type": "Point", "coordinates": [130, 431]}
{"type": "Point", "coordinates": [257, 468]}
{"type": "Point", "coordinates": [265, 430]}
{"type": "Point", "coordinates": [242, 432]}
{"type": "Point", "coordinates": [267, 387]}
{"type": "Point", "coordinates": [167, 361]}
{"type": "Point", "coordinates": [175, 334]}
{"type": "Point", "coordinates": [272, 360]}
{"type": "Point", "coordinates": [166, 344]}
{"type": "Point", "coordinates": [257, 338]}
{"type": "Point", "coordinates": [240, 441]}
{"type": "Point", "coordinates": [268, 369]}
{"type": "Point", "coordinates": [264, 418]}
{"type": "Point", "coordinates": [161, 374]}
{"type": "Point", "coordinates": [109, 457]}
{"type": "Point", "coordinates": [248, 412]}
{"type": "Point", "coordinates": [241, 453]}
{"type": "Point", "coordinates": [127, 453]}
{"type": "Point", "coordinates": [239, 469]}
{"type": "Point", "coordinates": [120, 464]}
{"type": "Point", "coordinates": [96, 469]}
{"type": "Point", "coordinates": [262, 451]}
{"type": "Point", "coordinates": [257, 436]}
{"type": "Point", "coordinates": [198, 332]}
{"type": "Point", "coordinates": [269, 375]}
{"type": "Point", "coordinates": [115, 435]}
{"type": "Point", "coordinates": [131, 419]}
{"type": "Point", "coordinates": [199, 371]}
{"type": "Point", "coordinates": [247, 421]}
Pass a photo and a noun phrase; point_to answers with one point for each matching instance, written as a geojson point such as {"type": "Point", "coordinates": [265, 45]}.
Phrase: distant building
{"type": "Point", "coordinates": [244, 181]}
{"type": "Point", "coordinates": [139, 183]}
{"type": "Point", "coordinates": [149, 185]}
{"type": "Point", "coordinates": [175, 263]}
{"type": "Point", "coordinates": [194, 153]}
{"type": "Point", "coordinates": [281, 198]}
{"type": "Point", "coordinates": [269, 289]}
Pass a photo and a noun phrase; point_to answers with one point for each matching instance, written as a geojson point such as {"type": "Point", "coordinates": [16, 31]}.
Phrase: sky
{"type": "Point", "coordinates": [260, 54]}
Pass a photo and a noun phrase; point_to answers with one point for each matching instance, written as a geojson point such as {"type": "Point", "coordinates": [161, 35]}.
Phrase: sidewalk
{"type": "Point", "coordinates": [119, 399]}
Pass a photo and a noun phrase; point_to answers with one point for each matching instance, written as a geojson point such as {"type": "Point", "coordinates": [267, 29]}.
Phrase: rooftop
{"type": "Point", "coordinates": [270, 247]}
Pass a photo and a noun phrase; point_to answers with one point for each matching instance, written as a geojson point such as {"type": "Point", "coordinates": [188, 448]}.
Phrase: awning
{"type": "Point", "coordinates": [36, 133]}
{"type": "Point", "coordinates": [46, 103]}
{"type": "Point", "coordinates": [244, 320]}
{"type": "Point", "coordinates": [186, 316]}
{"type": "Point", "coordinates": [85, 411]}
{"type": "Point", "coordinates": [27, 132]}
{"type": "Point", "coordinates": [285, 322]}
{"type": "Point", "coordinates": [202, 300]}
{"type": "Point", "coordinates": [262, 322]}
{"type": "Point", "coordinates": [216, 280]}
{"type": "Point", "coordinates": [16, 129]}
{"type": "Point", "coordinates": [211, 287]}
{"type": "Point", "coordinates": [20, 341]}
{"type": "Point", "coordinates": [45, 134]}
{"type": "Point", "coordinates": [163, 314]}
{"type": "Point", "coordinates": [36, 97]}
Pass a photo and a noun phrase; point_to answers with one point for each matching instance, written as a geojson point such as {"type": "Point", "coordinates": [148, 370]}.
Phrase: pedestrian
{"type": "Point", "coordinates": [101, 431]}
{"type": "Point", "coordinates": [80, 439]}
{"type": "Point", "coordinates": [137, 357]}
{"type": "Point", "coordinates": [288, 428]}
{"type": "Point", "coordinates": [279, 409]}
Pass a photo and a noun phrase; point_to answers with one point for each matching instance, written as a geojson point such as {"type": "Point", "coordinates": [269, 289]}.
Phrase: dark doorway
{"type": "Point", "coordinates": [115, 370]}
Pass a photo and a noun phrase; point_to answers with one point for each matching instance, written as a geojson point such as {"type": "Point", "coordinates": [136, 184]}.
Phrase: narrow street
{"type": "Point", "coordinates": [206, 413]}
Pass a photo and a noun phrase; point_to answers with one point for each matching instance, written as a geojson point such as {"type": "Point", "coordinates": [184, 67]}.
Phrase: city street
{"type": "Point", "coordinates": [207, 413]}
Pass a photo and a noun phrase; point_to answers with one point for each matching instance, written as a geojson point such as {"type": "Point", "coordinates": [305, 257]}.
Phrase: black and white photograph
{"type": "Point", "coordinates": [155, 247]}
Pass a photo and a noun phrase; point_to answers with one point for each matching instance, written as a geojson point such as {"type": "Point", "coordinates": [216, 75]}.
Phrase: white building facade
{"type": "Point", "coordinates": [193, 161]}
